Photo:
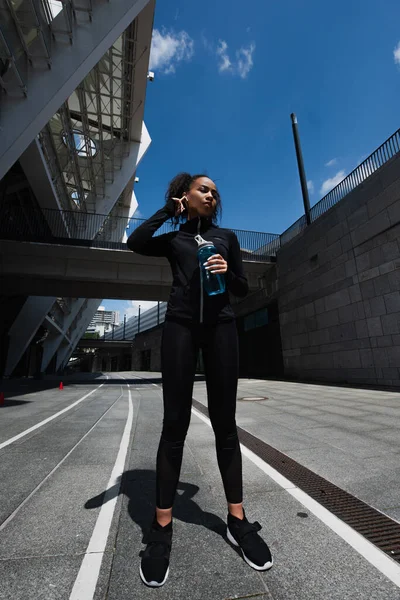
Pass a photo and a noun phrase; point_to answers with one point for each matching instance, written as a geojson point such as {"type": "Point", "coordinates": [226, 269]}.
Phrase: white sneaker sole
{"type": "Point", "coordinates": [153, 583]}
{"type": "Point", "coordinates": [265, 567]}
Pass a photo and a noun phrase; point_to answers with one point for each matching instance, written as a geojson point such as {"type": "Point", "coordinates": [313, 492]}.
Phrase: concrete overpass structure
{"type": "Point", "coordinates": [73, 86]}
{"type": "Point", "coordinates": [56, 270]}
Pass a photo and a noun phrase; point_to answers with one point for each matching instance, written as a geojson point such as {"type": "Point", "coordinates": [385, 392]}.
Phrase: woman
{"type": "Point", "coordinates": [195, 320]}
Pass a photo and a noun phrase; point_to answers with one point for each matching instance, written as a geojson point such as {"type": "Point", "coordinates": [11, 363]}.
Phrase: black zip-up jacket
{"type": "Point", "coordinates": [180, 248]}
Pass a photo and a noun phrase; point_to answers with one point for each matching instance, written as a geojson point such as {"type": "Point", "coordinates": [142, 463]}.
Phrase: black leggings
{"type": "Point", "coordinates": [179, 351]}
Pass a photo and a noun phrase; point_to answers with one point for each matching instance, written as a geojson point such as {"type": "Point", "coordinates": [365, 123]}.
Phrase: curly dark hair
{"type": "Point", "coordinates": [176, 189]}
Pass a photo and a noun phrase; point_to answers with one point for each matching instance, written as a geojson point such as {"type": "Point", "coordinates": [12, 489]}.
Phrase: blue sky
{"type": "Point", "coordinates": [227, 79]}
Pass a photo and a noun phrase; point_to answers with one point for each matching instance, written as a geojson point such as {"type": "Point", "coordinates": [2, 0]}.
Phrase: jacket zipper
{"type": "Point", "coordinates": [201, 278]}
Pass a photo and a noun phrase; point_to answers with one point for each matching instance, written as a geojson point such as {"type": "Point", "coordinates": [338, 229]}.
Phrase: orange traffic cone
{"type": "Point", "coordinates": [61, 385]}
{"type": "Point", "coordinates": [1, 398]}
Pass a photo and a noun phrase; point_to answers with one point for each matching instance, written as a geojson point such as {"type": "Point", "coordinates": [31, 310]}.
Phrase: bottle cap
{"type": "Point", "coordinates": [201, 242]}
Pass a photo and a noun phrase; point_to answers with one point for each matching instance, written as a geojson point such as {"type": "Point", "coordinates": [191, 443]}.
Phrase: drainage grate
{"type": "Point", "coordinates": [376, 527]}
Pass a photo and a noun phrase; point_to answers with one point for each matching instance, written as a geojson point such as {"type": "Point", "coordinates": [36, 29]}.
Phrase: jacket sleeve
{"type": "Point", "coordinates": [236, 280]}
{"type": "Point", "coordinates": [142, 241]}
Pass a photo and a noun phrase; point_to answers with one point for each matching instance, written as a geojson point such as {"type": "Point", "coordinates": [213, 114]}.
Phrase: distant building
{"type": "Point", "coordinates": [103, 321]}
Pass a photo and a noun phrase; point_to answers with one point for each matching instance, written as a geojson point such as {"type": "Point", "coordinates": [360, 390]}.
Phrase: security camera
{"type": "Point", "coordinates": [150, 75]}
{"type": "Point", "coordinates": [136, 179]}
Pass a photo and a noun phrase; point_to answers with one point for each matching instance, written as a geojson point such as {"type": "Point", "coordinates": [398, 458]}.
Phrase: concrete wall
{"type": "Point", "coordinates": [339, 283]}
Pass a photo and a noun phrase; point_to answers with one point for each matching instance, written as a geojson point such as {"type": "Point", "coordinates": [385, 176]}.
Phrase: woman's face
{"type": "Point", "coordinates": [202, 198]}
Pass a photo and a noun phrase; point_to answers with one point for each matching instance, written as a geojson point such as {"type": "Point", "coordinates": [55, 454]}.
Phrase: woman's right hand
{"type": "Point", "coordinates": [179, 205]}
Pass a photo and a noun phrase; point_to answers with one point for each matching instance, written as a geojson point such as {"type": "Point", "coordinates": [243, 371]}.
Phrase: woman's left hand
{"type": "Point", "coordinates": [216, 264]}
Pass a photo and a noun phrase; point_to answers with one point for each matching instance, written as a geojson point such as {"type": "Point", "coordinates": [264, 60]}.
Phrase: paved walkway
{"type": "Point", "coordinates": [63, 537]}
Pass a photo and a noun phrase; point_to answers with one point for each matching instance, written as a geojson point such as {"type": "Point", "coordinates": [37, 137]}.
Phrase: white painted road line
{"type": "Point", "coordinates": [373, 555]}
{"type": "Point", "coordinates": [86, 581]}
{"type": "Point", "coordinates": [64, 410]}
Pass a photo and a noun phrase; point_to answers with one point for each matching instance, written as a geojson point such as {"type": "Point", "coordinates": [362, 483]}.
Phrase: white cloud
{"type": "Point", "coordinates": [396, 54]}
{"type": "Point", "coordinates": [168, 49]}
{"type": "Point", "coordinates": [132, 308]}
{"type": "Point", "coordinates": [331, 163]}
{"type": "Point", "coordinates": [245, 60]}
{"type": "Point", "coordinates": [329, 184]}
{"type": "Point", "coordinates": [310, 186]}
{"type": "Point", "coordinates": [225, 63]}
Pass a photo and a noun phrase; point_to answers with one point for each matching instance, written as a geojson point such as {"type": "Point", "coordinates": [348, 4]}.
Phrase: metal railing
{"type": "Point", "coordinates": [94, 230]}
{"type": "Point", "coordinates": [370, 165]}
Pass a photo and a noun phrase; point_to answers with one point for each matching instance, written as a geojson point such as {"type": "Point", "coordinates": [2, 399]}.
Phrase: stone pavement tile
{"type": "Point", "coordinates": [381, 400]}
{"type": "Point", "coordinates": [146, 459]}
{"type": "Point", "coordinates": [392, 512]}
{"type": "Point", "coordinates": [55, 520]}
{"type": "Point", "coordinates": [38, 578]}
{"type": "Point", "coordinates": [378, 489]}
{"type": "Point", "coordinates": [352, 442]}
{"type": "Point", "coordinates": [346, 423]}
{"type": "Point", "coordinates": [283, 408]}
{"type": "Point", "coordinates": [344, 411]}
{"type": "Point", "coordinates": [54, 436]}
{"type": "Point", "coordinates": [382, 409]}
{"type": "Point", "coordinates": [206, 456]}
{"type": "Point", "coordinates": [385, 420]}
{"type": "Point", "coordinates": [391, 436]}
{"type": "Point", "coordinates": [101, 449]}
{"type": "Point", "coordinates": [242, 408]}
{"type": "Point", "coordinates": [254, 409]}
{"type": "Point", "coordinates": [281, 437]}
{"type": "Point", "coordinates": [9, 429]}
{"type": "Point", "coordinates": [298, 423]}
{"type": "Point", "coordinates": [20, 472]}
{"type": "Point", "coordinates": [66, 430]}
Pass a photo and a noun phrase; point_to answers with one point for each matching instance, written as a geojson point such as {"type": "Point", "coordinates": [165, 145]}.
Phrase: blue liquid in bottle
{"type": "Point", "coordinates": [213, 283]}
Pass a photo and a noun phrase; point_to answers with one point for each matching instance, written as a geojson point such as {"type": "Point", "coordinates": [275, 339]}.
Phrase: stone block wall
{"type": "Point", "coordinates": [149, 339]}
{"type": "Point", "coordinates": [339, 288]}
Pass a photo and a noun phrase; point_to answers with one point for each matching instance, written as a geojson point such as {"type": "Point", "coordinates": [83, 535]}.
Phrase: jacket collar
{"type": "Point", "coordinates": [191, 226]}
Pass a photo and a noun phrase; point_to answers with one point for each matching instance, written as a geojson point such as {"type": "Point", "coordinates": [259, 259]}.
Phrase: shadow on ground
{"type": "Point", "coordinates": [14, 403]}
{"type": "Point", "coordinates": [139, 486]}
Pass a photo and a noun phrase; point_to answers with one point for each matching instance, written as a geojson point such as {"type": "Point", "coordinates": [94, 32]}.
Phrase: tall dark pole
{"type": "Point", "coordinates": [124, 325]}
{"type": "Point", "coordinates": [300, 164]}
{"type": "Point", "coordinates": [138, 327]}
{"type": "Point", "coordinates": [158, 313]}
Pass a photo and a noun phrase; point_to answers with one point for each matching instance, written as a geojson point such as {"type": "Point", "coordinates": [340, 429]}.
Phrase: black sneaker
{"type": "Point", "coordinates": [244, 534]}
{"type": "Point", "coordinates": [154, 567]}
